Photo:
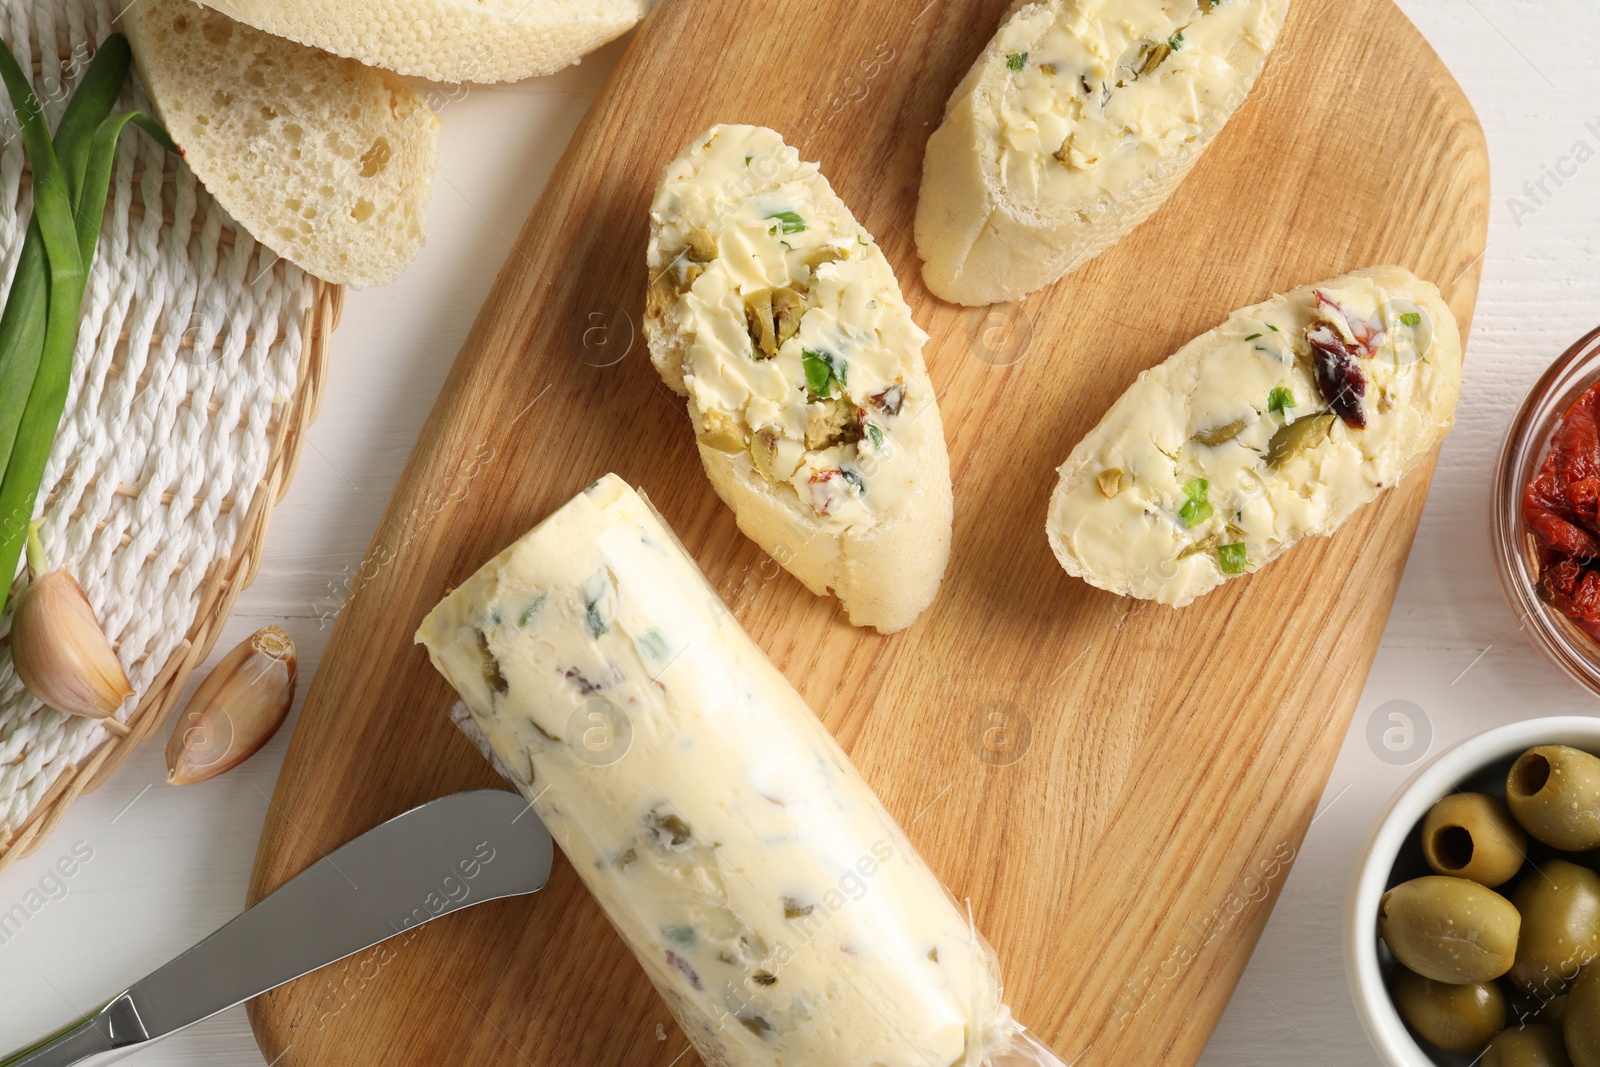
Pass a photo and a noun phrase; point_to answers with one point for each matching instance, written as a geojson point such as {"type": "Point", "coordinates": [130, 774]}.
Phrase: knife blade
{"type": "Point", "coordinates": [435, 859]}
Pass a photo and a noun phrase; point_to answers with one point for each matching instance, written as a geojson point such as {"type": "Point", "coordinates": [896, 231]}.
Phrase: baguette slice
{"type": "Point", "coordinates": [1078, 120]}
{"type": "Point", "coordinates": [447, 40]}
{"type": "Point", "coordinates": [775, 313]}
{"type": "Point", "coordinates": [327, 162]}
{"type": "Point", "coordinates": [1217, 461]}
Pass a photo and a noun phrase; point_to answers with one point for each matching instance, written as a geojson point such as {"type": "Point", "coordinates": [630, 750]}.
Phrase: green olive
{"type": "Point", "coordinates": [1527, 1046]}
{"type": "Point", "coordinates": [1294, 438]}
{"type": "Point", "coordinates": [788, 307]}
{"type": "Point", "coordinates": [1551, 1013]}
{"type": "Point", "coordinates": [1473, 836]}
{"type": "Point", "coordinates": [1219, 435]}
{"type": "Point", "coordinates": [1450, 929]}
{"type": "Point", "coordinates": [1554, 791]}
{"type": "Point", "coordinates": [1560, 907]}
{"type": "Point", "coordinates": [1583, 1019]}
{"type": "Point", "coordinates": [1457, 1018]}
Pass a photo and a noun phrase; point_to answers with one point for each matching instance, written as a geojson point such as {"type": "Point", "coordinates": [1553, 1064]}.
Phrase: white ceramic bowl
{"type": "Point", "coordinates": [1375, 874]}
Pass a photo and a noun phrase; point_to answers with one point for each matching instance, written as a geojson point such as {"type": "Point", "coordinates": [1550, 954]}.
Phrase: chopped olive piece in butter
{"type": "Point", "coordinates": [1294, 438]}
{"type": "Point", "coordinates": [702, 245]}
{"type": "Point", "coordinates": [721, 433]}
{"type": "Point", "coordinates": [825, 254]}
{"type": "Point", "coordinates": [832, 422]}
{"type": "Point", "coordinates": [764, 451]}
{"type": "Point", "coordinates": [1220, 435]}
{"type": "Point", "coordinates": [758, 317]}
{"type": "Point", "coordinates": [787, 308]}
{"type": "Point", "coordinates": [1205, 544]}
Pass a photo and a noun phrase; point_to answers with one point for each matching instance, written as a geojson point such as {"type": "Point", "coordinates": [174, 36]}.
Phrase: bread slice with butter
{"type": "Point", "coordinates": [447, 40]}
{"type": "Point", "coordinates": [778, 317]}
{"type": "Point", "coordinates": [1078, 120]}
{"type": "Point", "coordinates": [327, 162]}
{"type": "Point", "coordinates": [1277, 425]}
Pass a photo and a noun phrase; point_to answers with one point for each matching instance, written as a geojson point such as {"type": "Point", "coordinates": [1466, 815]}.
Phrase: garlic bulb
{"type": "Point", "coordinates": [236, 710]}
{"type": "Point", "coordinates": [61, 653]}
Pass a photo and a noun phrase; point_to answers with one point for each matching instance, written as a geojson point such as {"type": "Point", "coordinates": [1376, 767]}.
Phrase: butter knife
{"type": "Point", "coordinates": [441, 857]}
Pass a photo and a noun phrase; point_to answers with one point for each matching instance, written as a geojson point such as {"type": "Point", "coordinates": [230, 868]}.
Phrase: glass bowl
{"type": "Point", "coordinates": [1568, 378]}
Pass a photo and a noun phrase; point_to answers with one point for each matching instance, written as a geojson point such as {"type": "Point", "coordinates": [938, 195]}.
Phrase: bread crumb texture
{"type": "Point", "coordinates": [447, 40]}
{"type": "Point", "coordinates": [327, 162]}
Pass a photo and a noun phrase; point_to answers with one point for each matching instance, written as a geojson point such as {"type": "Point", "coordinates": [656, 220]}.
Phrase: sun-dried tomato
{"type": "Point", "coordinates": [1339, 376]}
{"type": "Point", "coordinates": [1562, 509]}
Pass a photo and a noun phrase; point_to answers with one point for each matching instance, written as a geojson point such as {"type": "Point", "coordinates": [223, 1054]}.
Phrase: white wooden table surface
{"type": "Point", "coordinates": [170, 865]}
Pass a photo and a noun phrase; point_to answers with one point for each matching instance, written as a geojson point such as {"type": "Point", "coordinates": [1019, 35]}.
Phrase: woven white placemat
{"type": "Point", "coordinates": [187, 358]}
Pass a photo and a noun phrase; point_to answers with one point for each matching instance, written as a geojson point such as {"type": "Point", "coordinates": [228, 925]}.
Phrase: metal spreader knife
{"type": "Point", "coordinates": [447, 855]}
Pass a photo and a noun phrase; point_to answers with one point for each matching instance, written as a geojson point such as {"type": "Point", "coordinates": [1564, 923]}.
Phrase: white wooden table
{"type": "Point", "coordinates": [170, 865]}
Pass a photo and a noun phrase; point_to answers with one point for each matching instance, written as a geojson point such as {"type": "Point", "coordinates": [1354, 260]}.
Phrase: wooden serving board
{"type": "Point", "coordinates": [1117, 787]}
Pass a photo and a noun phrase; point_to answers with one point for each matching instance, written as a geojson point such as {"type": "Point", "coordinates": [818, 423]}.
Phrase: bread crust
{"type": "Point", "coordinates": [447, 40]}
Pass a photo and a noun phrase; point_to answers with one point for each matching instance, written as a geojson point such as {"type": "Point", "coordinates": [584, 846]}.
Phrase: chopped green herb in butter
{"type": "Point", "coordinates": [1197, 509]}
{"type": "Point", "coordinates": [825, 375]}
{"type": "Point", "coordinates": [530, 612]}
{"type": "Point", "coordinates": [788, 221]}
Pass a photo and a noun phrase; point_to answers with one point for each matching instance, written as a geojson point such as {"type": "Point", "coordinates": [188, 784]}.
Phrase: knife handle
{"type": "Point", "coordinates": [115, 1026]}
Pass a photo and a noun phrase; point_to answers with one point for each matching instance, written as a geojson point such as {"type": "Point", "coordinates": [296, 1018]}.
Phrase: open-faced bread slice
{"type": "Point", "coordinates": [1277, 425]}
{"type": "Point", "coordinates": [1078, 120]}
{"type": "Point", "coordinates": [447, 40]}
{"type": "Point", "coordinates": [775, 313]}
{"type": "Point", "coordinates": [327, 162]}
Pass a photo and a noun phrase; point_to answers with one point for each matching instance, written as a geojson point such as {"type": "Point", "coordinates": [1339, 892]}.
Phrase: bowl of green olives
{"type": "Point", "coordinates": [1472, 926]}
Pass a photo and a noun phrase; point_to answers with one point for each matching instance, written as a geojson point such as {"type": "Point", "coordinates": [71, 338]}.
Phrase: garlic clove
{"type": "Point", "coordinates": [61, 653]}
{"type": "Point", "coordinates": [236, 710]}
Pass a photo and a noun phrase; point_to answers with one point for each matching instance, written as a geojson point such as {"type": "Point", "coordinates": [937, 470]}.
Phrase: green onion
{"type": "Point", "coordinates": [22, 336]}
{"type": "Point", "coordinates": [1198, 509]}
{"type": "Point", "coordinates": [1252, 337]}
{"type": "Point", "coordinates": [1411, 318]}
{"type": "Point", "coordinates": [823, 373]}
{"type": "Point", "coordinates": [1280, 400]}
{"type": "Point", "coordinates": [789, 222]}
{"type": "Point", "coordinates": [1233, 558]}
{"type": "Point", "coordinates": [71, 177]}
{"type": "Point", "coordinates": [1016, 60]}
{"type": "Point", "coordinates": [653, 644]}
{"type": "Point", "coordinates": [530, 612]}
{"type": "Point", "coordinates": [1175, 42]}
{"type": "Point", "coordinates": [875, 435]}
{"type": "Point", "coordinates": [1194, 513]}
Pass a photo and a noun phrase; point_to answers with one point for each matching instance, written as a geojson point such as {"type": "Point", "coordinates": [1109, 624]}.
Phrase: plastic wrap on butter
{"type": "Point", "coordinates": [778, 908]}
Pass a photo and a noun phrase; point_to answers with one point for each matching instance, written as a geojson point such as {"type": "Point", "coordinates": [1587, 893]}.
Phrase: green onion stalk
{"type": "Point", "coordinates": [39, 325]}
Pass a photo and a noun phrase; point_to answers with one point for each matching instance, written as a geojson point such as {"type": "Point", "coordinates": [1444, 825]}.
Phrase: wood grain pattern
{"type": "Point", "coordinates": [1124, 825]}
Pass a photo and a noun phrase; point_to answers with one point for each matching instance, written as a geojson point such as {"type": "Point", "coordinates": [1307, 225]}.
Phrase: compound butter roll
{"type": "Point", "coordinates": [778, 908]}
